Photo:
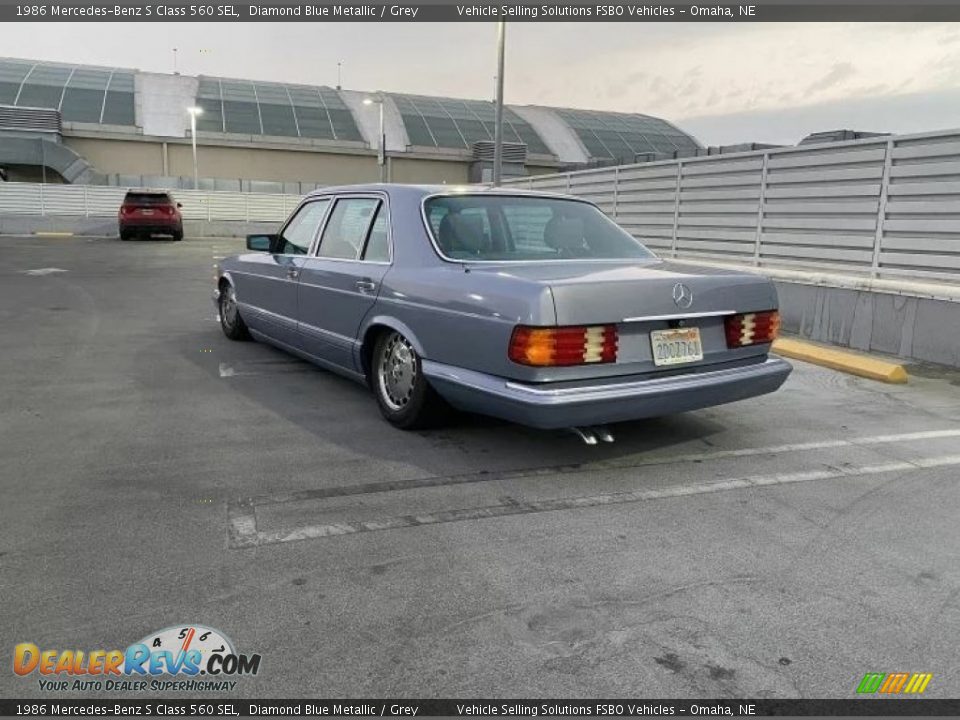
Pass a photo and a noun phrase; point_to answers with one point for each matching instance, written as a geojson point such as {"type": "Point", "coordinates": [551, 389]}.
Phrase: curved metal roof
{"type": "Point", "coordinates": [81, 93]}
{"type": "Point", "coordinates": [624, 136]}
{"type": "Point", "coordinates": [261, 108]}
{"type": "Point", "coordinates": [100, 95]}
{"type": "Point", "coordinates": [457, 123]}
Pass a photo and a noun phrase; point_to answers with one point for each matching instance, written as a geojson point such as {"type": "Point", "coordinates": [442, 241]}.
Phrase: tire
{"type": "Point", "coordinates": [405, 397]}
{"type": "Point", "coordinates": [231, 323]}
{"type": "Point", "coordinates": [178, 236]}
{"type": "Point", "coordinates": [124, 235]}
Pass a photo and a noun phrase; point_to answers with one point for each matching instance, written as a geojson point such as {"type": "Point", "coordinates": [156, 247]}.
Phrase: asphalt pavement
{"type": "Point", "coordinates": [155, 473]}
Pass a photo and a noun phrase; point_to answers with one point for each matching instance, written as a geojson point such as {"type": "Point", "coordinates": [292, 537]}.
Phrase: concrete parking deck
{"type": "Point", "coordinates": [155, 473]}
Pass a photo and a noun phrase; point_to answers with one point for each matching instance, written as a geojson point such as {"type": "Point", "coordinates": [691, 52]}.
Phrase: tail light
{"type": "Point", "coordinates": [752, 328]}
{"type": "Point", "coordinates": [552, 346]}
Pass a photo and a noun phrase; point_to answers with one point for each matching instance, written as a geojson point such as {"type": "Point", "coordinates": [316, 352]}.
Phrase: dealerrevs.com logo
{"type": "Point", "coordinates": [174, 658]}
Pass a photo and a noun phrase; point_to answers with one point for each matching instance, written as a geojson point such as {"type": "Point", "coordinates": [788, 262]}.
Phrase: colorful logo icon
{"type": "Point", "coordinates": [179, 650]}
{"type": "Point", "coordinates": [894, 683]}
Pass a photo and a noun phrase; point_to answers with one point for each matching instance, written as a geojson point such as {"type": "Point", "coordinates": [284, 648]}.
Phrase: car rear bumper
{"type": "Point", "coordinates": [151, 225]}
{"type": "Point", "coordinates": [543, 406]}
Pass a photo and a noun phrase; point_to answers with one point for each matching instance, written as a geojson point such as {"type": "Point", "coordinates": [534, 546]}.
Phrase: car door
{"type": "Point", "coordinates": [266, 283]}
{"type": "Point", "coordinates": [339, 285]}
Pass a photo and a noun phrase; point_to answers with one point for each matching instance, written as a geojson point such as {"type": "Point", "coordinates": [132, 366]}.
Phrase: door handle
{"type": "Point", "coordinates": [366, 285]}
{"type": "Point", "coordinates": [293, 273]}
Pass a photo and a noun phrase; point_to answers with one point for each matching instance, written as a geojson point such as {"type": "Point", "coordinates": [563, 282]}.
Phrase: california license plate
{"type": "Point", "coordinates": [677, 346]}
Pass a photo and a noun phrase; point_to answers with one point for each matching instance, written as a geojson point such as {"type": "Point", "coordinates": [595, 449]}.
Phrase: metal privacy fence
{"type": "Point", "coordinates": [100, 201]}
{"type": "Point", "coordinates": [885, 206]}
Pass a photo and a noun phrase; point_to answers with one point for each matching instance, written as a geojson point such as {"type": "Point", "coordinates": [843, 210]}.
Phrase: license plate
{"type": "Point", "coordinates": [146, 212]}
{"type": "Point", "coordinates": [675, 347]}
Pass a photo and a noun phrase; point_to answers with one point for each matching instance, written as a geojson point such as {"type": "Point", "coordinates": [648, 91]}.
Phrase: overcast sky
{"type": "Point", "coordinates": [723, 82]}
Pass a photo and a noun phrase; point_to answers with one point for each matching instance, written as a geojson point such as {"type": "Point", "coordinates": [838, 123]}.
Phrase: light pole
{"type": "Point", "coordinates": [194, 111]}
{"type": "Point", "coordinates": [381, 138]}
{"type": "Point", "coordinates": [498, 123]}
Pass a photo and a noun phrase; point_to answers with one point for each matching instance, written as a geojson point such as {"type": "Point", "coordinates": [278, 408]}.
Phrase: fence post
{"type": "Point", "coordinates": [762, 199]}
{"type": "Point", "coordinates": [206, 197]}
{"type": "Point", "coordinates": [43, 210]}
{"type": "Point", "coordinates": [86, 203]}
{"type": "Point", "coordinates": [616, 192]}
{"type": "Point", "coordinates": [881, 209]}
{"type": "Point", "coordinates": [676, 210]}
{"type": "Point", "coordinates": [568, 183]}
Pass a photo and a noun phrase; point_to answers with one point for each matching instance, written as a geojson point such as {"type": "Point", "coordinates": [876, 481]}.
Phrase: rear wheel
{"type": "Point", "coordinates": [178, 236]}
{"type": "Point", "coordinates": [125, 235]}
{"type": "Point", "coordinates": [405, 397]}
{"type": "Point", "coordinates": [230, 320]}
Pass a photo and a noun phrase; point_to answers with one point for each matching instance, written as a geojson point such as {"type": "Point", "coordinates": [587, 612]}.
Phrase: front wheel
{"type": "Point", "coordinates": [230, 320]}
{"type": "Point", "coordinates": [405, 397]}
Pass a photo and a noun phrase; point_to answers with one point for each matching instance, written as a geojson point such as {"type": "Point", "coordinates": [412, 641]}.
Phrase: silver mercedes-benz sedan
{"type": "Point", "coordinates": [528, 306]}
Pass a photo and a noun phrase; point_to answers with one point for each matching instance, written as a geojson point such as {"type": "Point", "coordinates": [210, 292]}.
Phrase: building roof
{"type": "Point", "coordinates": [149, 103]}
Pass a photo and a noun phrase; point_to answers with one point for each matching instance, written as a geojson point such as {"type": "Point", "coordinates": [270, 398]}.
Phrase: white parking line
{"type": "Point", "coordinates": [791, 447]}
{"type": "Point", "coordinates": [42, 271]}
{"type": "Point", "coordinates": [243, 526]}
{"type": "Point", "coordinates": [624, 464]}
{"type": "Point", "coordinates": [243, 530]}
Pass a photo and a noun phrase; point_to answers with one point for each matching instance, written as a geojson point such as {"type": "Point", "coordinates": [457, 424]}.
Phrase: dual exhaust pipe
{"type": "Point", "coordinates": [590, 435]}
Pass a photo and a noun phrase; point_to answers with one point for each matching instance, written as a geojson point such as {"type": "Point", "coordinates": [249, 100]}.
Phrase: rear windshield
{"type": "Point", "coordinates": [491, 227]}
{"type": "Point", "coordinates": [147, 199]}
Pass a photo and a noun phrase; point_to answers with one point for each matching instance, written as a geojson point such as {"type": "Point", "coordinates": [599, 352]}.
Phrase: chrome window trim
{"type": "Point", "coordinates": [528, 194]}
{"type": "Point", "coordinates": [380, 195]}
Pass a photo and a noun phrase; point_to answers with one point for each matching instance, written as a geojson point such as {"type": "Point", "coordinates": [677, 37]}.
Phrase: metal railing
{"type": "Point", "coordinates": [886, 206]}
{"type": "Point", "coordinates": [100, 201]}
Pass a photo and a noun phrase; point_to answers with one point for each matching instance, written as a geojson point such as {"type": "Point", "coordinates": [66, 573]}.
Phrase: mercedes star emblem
{"type": "Point", "coordinates": [682, 296]}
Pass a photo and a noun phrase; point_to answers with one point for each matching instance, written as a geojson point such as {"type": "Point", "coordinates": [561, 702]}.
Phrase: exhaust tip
{"type": "Point", "coordinates": [603, 433]}
{"type": "Point", "coordinates": [585, 434]}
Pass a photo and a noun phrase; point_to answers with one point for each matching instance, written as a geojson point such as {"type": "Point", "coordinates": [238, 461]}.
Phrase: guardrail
{"type": "Point", "coordinates": [98, 201]}
{"type": "Point", "coordinates": [886, 206]}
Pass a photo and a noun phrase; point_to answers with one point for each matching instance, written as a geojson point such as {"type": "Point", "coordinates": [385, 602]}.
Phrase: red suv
{"type": "Point", "coordinates": [147, 213]}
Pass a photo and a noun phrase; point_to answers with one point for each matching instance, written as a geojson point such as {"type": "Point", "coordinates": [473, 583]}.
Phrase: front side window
{"type": "Point", "coordinates": [347, 228]}
{"type": "Point", "coordinates": [501, 227]}
{"type": "Point", "coordinates": [302, 228]}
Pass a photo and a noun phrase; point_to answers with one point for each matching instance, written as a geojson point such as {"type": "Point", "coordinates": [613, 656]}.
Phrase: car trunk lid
{"type": "Point", "coordinates": [644, 299]}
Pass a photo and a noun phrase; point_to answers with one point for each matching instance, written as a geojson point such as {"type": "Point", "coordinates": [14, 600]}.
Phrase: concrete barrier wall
{"type": "Point", "coordinates": [107, 227]}
{"type": "Point", "coordinates": [913, 328]}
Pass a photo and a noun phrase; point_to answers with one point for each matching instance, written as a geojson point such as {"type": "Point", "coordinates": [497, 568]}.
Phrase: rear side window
{"type": "Point", "coordinates": [147, 199]}
{"type": "Point", "coordinates": [346, 230]}
{"type": "Point", "coordinates": [525, 228]}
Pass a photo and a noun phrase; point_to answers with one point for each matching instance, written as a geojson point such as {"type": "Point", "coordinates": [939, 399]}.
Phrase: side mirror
{"type": "Point", "coordinates": [179, 205]}
{"type": "Point", "coordinates": [261, 243]}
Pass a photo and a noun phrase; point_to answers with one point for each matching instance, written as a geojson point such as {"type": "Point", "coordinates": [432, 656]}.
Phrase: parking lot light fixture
{"type": "Point", "coordinates": [381, 138]}
{"type": "Point", "coordinates": [194, 112]}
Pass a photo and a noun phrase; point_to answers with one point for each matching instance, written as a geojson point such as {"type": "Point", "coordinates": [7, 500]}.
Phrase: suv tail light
{"type": "Point", "coordinates": [552, 346]}
{"type": "Point", "coordinates": [751, 328]}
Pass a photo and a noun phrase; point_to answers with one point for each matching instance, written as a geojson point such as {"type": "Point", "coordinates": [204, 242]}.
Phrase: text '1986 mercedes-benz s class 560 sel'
{"type": "Point", "coordinates": [532, 307]}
